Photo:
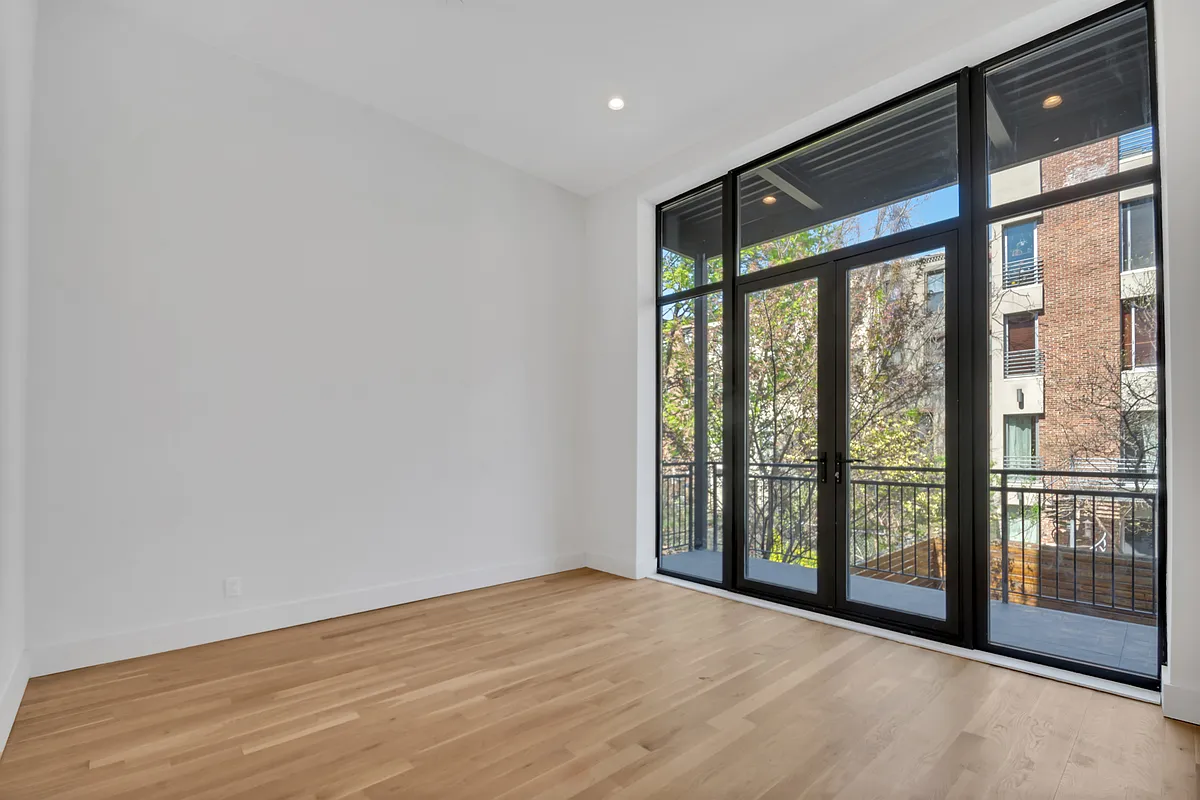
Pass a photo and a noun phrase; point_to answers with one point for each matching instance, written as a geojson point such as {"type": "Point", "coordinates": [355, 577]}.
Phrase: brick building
{"type": "Point", "coordinates": [1073, 344]}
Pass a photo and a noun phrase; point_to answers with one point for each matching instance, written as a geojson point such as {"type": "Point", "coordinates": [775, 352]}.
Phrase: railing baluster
{"type": "Point", "coordinates": [1041, 516]}
{"type": "Point", "coordinates": [928, 537]}
{"type": "Point", "coordinates": [1132, 555]}
{"type": "Point", "coordinates": [1004, 537]}
{"type": "Point", "coordinates": [1024, 568]}
{"type": "Point", "coordinates": [1154, 550]}
{"type": "Point", "coordinates": [1112, 556]}
{"type": "Point", "coordinates": [1074, 548]}
{"type": "Point", "coordinates": [891, 544]}
{"type": "Point", "coordinates": [1057, 551]}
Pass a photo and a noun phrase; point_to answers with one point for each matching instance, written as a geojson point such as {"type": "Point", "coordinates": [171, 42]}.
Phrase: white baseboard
{"type": "Point", "coordinates": [1016, 664]}
{"type": "Point", "coordinates": [613, 566]}
{"type": "Point", "coordinates": [63, 656]}
{"type": "Point", "coordinates": [1180, 702]}
{"type": "Point", "coordinates": [10, 697]}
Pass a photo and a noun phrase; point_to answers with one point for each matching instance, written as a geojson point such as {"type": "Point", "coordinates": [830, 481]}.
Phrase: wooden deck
{"type": "Point", "coordinates": [580, 685]}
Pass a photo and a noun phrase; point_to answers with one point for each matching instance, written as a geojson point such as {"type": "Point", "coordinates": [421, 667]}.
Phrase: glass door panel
{"type": "Point", "coordinates": [892, 471]}
{"type": "Point", "coordinates": [784, 466]}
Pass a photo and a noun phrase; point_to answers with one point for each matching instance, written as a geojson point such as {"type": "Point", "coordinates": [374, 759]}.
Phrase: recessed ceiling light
{"type": "Point", "coordinates": [769, 199]}
{"type": "Point", "coordinates": [1053, 101]}
{"type": "Point", "coordinates": [616, 104]}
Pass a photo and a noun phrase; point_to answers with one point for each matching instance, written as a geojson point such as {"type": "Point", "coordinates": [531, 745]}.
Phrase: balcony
{"type": "Point", "coordinates": [1021, 272]}
{"type": "Point", "coordinates": [1073, 566]}
{"type": "Point", "coordinates": [1022, 462]}
{"type": "Point", "coordinates": [1023, 363]}
{"type": "Point", "coordinates": [680, 534]}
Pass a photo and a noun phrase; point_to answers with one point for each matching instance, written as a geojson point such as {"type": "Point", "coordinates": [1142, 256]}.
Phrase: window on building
{"type": "Point", "coordinates": [1020, 242]}
{"type": "Point", "coordinates": [1139, 334]}
{"type": "Point", "coordinates": [1020, 254]}
{"type": "Point", "coordinates": [1139, 440]}
{"type": "Point", "coordinates": [1137, 234]}
{"type": "Point", "coordinates": [935, 291]}
{"type": "Point", "coordinates": [1020, 333]}
{"type": "Point", "coordinates": [1020, 442]}
{"type": "Point", "coordinates": [1021, 354]}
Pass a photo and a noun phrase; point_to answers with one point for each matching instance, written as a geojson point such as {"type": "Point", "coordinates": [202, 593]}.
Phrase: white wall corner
{"type": "Point", "coordinates": [1179, 702]}
{"type": "Point", "coordinates": [10, 697]}
{"type": "Point", "coordinates": [647, 566]}
{"type": "Point", "coordinates": [620, 567]}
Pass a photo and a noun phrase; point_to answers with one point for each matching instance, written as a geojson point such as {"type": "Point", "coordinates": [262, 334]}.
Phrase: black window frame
{"type": "Point", "coordinates": [970, 293]}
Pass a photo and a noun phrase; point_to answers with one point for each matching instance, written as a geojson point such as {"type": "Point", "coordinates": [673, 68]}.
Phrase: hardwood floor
{"type": "Point", "coordinates": [581, 685]}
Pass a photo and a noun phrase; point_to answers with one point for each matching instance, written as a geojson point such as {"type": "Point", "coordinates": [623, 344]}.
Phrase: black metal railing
{"type": "Point", "coordinates": [680, 533]}
{"type": "Point", "coordinates": [1022, 272]}
{"type": "Point", "coordinates": [781, 513]}
{"type": "Point", "coordinates": [897, 523]}
{"type": "Point", "coordinates": [1072, 540]}
{"type": "Point", "coordinates": [1080, 541]}
{"type": "Point", "coordinates": [897, 514]}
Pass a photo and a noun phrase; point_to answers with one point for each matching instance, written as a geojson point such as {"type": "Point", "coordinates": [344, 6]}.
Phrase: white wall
{"type": "Point", "coordinates": [1178, 66]}
{"type": "Point", "coordinates": [279, 336]}
{"type": "Point", "coordinates": [17, 18]}
{"type": "Point", "coordinates": [617, 478]}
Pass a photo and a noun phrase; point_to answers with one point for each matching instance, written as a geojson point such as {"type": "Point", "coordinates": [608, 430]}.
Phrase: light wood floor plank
{"type": "Point", "coordinates": [580, 685]}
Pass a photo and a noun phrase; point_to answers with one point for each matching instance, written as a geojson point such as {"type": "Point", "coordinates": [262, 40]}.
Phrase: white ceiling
{"type": "Point", "coordinates": [527, 81]}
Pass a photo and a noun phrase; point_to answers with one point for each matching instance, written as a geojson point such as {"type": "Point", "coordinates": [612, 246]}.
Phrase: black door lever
{"type": "Point", "coordinates": [837, 466]}
{"type": "Point", "coordinates": [824, 462]}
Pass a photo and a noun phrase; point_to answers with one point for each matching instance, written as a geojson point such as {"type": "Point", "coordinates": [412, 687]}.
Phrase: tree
{"type": "Point", "coordinates": [896, 355]}
{"type": "Point", "coordinates": [1104, 420]}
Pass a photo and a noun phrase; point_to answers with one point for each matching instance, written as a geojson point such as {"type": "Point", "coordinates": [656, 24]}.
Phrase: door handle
{"type": "Point", "coordinates": [837, 466]}
{"type": "Point", "coordinates": [824, 462]}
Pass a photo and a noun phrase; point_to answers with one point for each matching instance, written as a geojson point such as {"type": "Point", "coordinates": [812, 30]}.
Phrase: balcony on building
{"type": "Point", "coordinates": [1023, 363]}
{"type": "Point", "coordinates": [1021, 272]}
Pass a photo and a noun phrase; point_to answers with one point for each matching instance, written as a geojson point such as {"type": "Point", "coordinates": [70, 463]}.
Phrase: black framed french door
{"type": "Point", "coordinates": [840, 502]}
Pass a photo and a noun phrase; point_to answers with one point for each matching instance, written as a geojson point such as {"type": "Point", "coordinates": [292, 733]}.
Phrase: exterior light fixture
{"type": "Point", "coordinates": [769, 200]}
{"type": "Point", "coordinates": [616, 104]}
{"type": "Point", "coordinates": [1053, 101]}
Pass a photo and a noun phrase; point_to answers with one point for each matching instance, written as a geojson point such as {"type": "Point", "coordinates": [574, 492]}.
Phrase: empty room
{"type": "Point", "coordinates": [608, 398]}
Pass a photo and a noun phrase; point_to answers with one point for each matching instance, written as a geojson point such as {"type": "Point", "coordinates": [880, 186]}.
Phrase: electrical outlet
{"type": "Point", "coordinates": [233, 587]}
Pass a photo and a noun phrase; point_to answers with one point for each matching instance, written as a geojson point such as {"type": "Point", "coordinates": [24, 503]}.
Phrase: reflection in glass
{"type": "Point", "coordinates": [895, 171]}
{"type": "Point", "coordinates": [1071, 112]}
{"type": "Point", "coordinates": [897, 433]}
{"type": "Point", "coordinates": [691, 231]}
